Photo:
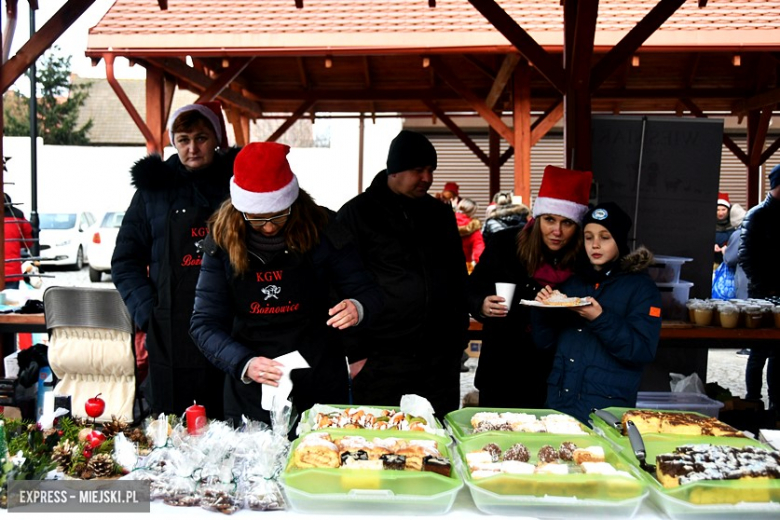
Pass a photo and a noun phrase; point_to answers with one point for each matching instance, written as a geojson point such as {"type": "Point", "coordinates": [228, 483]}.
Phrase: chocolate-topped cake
{"type": "Point", "coordinates": [438, 465]}
{"type": "Point", "coordinates": [548, 454]}
{"type": "Point", "coordinates": [354, 455]}
{"type": "Point", "coordinates": [494, 450]}
{"type": "Point", "coordinates": [697, 462]}
{"type": "Point", "coordinates": [518, 452]}
{"type": "Point", "coordinates": [393, 461]}
{"type": "Point", "coordinates": [566, 450]}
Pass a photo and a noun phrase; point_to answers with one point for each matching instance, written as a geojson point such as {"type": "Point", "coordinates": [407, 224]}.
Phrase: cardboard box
{"type": "Point", "coordinates": [474, 347]}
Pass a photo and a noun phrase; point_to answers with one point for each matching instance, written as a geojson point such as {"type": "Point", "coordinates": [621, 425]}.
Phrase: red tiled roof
{"type": "Point", "coordinates": [276, 24]}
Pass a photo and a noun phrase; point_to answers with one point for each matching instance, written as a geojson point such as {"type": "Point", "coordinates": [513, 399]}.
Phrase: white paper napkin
{"type": "Point", "coordinates": [290, 362]}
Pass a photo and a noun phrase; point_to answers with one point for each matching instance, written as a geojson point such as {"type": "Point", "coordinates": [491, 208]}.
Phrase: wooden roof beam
{"type": "Point", "coordinates": [290, 121]}
{"type": "Point", "coordinates": [523, 42]}
{"type": "Point", "coordinates": [302, 74]}
{"type": "Point", "coordinates": [632, 41]}
{"type": "Point", "coordinates": [546, 121]}
{"type": "Point", "coordinates": [761, 129]}
{"type": "Point", "coordinates": [728, 142]}
{"type": "Point", "coordinates": [463, 136]}
{"type": "Point", "coordinates": [472, 99]}
{"type": "Point", "coordinates": [202, 82]}
{"type": "Point", "coordinates": [764, 99]}
{"type": "Point", "coordinates": [543, 124]}
{"type": "Point", "coordinates": [504, 75]}
{"type": "Point", "coordinates": [41, 40]}
{"type": "Point", "coordinates": [225, 78]}
{"type": "Point", "coordinates": [366, 72]}
{"type": "Point", "coordinates": [484, 69]}
{"type": "Point", "coordinates": [771, 149]}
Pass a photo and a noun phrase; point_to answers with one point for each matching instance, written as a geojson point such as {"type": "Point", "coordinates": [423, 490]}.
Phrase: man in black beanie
{"type": "Point", "coordinates": [759, 251]}
{"type": "Point", "coordinates": [410, 242]}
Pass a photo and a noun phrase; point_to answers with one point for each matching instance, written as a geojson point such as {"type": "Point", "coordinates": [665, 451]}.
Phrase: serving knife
{"type": "Point", "coordinates": [609, 418]}
{"type": "Point", "coordinates": [638, 446]}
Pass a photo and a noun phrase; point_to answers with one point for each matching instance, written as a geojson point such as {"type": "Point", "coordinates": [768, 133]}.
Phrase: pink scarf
{"type": "Point", "coordinates": [552, 276]}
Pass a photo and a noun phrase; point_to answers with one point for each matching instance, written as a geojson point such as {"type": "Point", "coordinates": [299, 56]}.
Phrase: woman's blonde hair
{"type": "Point", "coordinates": [301, 231]}
{"type": "Point", "coordinates": [533, 253]}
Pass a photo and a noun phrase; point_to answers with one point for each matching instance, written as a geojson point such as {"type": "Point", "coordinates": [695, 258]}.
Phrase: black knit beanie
{"type": "Point", "coordinates": [617, 222]}
{"type": "Point", "coordinates": [410, 150]}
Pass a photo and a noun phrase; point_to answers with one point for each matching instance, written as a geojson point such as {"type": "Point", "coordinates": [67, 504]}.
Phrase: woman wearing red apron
{"type": "Point", "coordinates": [279, 275]}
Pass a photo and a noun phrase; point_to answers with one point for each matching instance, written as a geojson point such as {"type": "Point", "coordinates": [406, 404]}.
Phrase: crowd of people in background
{"type": "Point", "coordinates": [245, 287]}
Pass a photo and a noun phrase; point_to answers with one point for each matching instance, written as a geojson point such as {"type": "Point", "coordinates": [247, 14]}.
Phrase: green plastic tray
{"type": "Point", "coordinates": [708, 499]}
{"type": "Point", "coordinates": [336, 490]}
{"type": "Point", "coordinates": [564, 496]}
{"type": "Point", "coordinates": [621, 442]}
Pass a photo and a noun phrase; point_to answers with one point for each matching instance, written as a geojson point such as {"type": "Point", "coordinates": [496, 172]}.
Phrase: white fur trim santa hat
{"type": "Point", "coordinates": [723, 199]}
{"type": "Point", "coordinates": [564, 193]}
{"type": "Point", "coordinates": [262, 180]}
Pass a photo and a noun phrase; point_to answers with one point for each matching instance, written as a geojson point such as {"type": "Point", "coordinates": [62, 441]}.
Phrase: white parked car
{"type": "Point", "coordinates": [101, 247]}
{"type": "Point", "coordinates": [64, 237]}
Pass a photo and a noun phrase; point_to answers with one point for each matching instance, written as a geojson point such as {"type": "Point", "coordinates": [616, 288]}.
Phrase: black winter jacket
{"type": "Point", "coordinates": [512, 372]}
{"type": "Point", "coordinates": [759, 250]}
{"type": "Point", "coordinates": [161, 187]}
{"type": "Point", "coordinates": [413, 249]}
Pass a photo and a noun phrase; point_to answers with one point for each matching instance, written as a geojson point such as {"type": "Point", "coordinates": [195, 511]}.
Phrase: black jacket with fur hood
{"type": "Point", "coordinates": [162, 186]}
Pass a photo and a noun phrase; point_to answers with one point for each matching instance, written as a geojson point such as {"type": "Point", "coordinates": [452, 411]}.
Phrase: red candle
{"type": "Point", "coordinates": [196, 418]}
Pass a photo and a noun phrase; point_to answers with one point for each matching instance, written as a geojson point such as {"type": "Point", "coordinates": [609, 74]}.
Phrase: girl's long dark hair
{"type": "Point", "coordinates": [533, 253]}
{"type": "Point", "coordinates": [301, 231]}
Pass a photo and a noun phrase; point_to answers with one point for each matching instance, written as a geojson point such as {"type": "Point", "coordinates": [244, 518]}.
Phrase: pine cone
{"type": "Point", "coordinates": [101, 464]}
{"type": "Point", "coordinates": [110, 429]}
{"type": "Point", "coordinates": [137, 436]}
{"type": "Point", "coordinates": [62, 454]}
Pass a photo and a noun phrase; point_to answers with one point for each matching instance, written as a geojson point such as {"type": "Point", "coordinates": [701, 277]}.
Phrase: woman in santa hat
{"type": "Point", "coordinates": [542, 253]}
{"type": "Point", "coordinates": [157, 259]}
{"type": "Point", "coordinates": [279, 275]}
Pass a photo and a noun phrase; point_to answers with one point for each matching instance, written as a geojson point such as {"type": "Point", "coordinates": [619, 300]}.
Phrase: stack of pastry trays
{"type": "Point", "coordinates": [542, 463]}
{"type": "Point", "coordinates": [351, 462]}
{"type": "Point", "coordinates": [715, 447]}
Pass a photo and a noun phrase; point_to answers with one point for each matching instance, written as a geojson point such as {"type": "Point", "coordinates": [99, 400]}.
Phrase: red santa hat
{"type": "Point", "coordinates": [262, 180]}
{"type": "Point", "coordinates": [563, 192]}
{"type": "Point", "coordinates": [211, 110]}
{"type": "Point", "coordinates": [723, 199]}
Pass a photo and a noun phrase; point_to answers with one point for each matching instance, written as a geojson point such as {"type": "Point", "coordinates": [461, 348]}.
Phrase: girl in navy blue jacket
{"type": "Point", "coordinates": [601, 348]}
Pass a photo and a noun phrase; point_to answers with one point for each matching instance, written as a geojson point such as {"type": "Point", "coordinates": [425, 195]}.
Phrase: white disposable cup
{"type": "Point", "coordinates": [507, 291]}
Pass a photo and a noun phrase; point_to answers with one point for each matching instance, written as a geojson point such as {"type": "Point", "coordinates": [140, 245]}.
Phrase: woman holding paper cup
{"type": "Point", "coordinates": [541, 253]}
{"type": "Point", "coordinates": [271, 258]}
{"type": "Point", "coordinates": [601, 348]}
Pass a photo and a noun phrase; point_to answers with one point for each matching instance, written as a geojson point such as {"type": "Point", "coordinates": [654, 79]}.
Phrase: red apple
{"type": "Point", "coordinates": [95, 406]}
{"type": "Point", "coordinates": [95, 439]}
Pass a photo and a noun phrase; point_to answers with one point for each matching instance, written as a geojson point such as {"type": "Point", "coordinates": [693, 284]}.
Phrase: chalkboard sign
{"type": "Point", "coordinates": [665, 173]}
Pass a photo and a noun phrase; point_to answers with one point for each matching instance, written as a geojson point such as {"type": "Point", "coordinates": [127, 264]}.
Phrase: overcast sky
{"type": "Point", "coordinates": [73, 42]}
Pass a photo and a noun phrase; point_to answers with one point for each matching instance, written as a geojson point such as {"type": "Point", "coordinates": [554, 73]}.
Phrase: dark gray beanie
{"type": "Point", "coordinates": [617, 221]}
{"type": "Point", "coordinates": [410, 150]}
{"type": "Point", "coordinates": [774, 177]}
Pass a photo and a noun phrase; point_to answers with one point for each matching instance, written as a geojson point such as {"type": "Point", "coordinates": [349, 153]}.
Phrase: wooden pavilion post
{"type": "Point", "coordinates": [521, 109]}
